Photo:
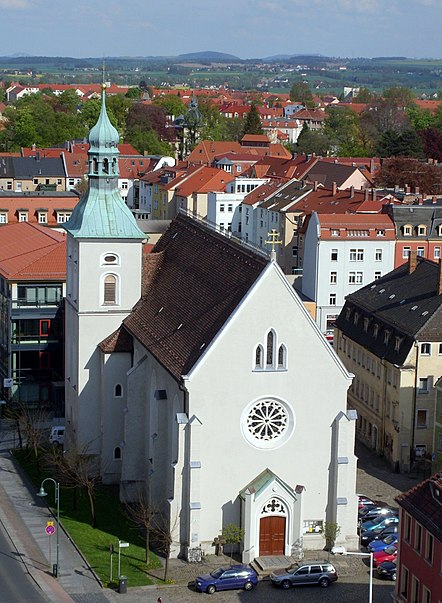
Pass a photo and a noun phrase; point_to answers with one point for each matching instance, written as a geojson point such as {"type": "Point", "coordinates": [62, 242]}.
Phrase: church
{"type": "Point", "coordinates": [197, 378]}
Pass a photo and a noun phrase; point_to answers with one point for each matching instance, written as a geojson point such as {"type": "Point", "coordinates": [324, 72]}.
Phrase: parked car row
{"type": "Point", "coordinates": [378, 533]}
{"type": "Point", "coordinates": [378, 529]}
{"type": "Point", "coordinates": [320, 573]}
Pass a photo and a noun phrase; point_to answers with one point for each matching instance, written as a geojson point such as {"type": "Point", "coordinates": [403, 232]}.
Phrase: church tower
{"type": "Point", "coordinates": [103, 280]}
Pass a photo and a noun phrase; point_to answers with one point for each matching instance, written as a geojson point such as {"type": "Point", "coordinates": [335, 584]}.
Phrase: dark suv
{"type": "Point", "coordinates": [308, 572]}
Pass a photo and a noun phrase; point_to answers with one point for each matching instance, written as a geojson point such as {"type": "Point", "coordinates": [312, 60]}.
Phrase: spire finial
{"type": "Point", "coordinates": [103, 82]}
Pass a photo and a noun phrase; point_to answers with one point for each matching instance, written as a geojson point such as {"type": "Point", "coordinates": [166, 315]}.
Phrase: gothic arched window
{"type": "Point", "coordinates": [282, 356]}
{"type": "Point", "coordinates": [259, 355]}
{"type": "Point", "coordinates": [270, 351]}
{"type": "Point", "coordinates": [118, 391]}
{"type": "Point", "coordinates": [117, 453]}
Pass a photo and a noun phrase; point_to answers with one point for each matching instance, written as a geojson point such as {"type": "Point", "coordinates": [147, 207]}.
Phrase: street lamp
{"type": "Point", "coordinates": [42, 492]}
{"type": "Point", "coordinates": [340, 550]}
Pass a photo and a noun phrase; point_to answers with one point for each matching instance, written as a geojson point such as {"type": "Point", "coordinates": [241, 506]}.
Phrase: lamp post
{"type": "Point", "coordinates": [342, 551]}
{"type": "Point", "coordinates": [42, 492]}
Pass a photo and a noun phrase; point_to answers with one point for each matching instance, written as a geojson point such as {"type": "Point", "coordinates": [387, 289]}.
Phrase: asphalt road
{"type": "Point", "coordinates": [348, 590]}
{"type": "Point", "coordinates": [16, 586]}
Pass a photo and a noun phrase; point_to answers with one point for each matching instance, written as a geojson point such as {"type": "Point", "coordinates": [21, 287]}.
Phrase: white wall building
{"type": "Point", "coordinates": [194, 396]}
{"type": "Point", "coordinates": [340, 254]}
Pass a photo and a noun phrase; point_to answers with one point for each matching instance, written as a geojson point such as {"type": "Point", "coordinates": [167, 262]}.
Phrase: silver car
{"type": "Point", "coordinates": [309, 572]}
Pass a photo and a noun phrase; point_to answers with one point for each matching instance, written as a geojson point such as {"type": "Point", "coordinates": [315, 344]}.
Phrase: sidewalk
{"type": "Point", "coordinates": [24, 516]}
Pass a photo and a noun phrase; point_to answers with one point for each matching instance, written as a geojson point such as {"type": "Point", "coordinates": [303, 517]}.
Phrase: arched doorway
{"type": "Point", "coordinates": [272, 535]}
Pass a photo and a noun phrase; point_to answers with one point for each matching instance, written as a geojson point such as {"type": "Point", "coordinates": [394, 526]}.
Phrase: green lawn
{"type": "Point", "coordinates": [94, 543]}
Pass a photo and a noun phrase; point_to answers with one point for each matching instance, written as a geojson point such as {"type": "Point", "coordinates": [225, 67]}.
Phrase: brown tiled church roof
{"type": "Point", "coordinates": [118, 341]}
{"type": "Point", "coordinates": [202, 278]}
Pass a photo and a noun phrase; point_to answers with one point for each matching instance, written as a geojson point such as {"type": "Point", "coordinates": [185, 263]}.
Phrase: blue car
{"type": "Point", "coordinates": [227, 578]}
{"type": "Point", "coordinates": [380, 545]}
{"type": "Point", "coordinates": [379, 522]}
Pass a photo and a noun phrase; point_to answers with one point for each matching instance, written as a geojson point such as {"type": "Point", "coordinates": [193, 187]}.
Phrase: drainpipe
{"type": "Point", "coordinates": [413, 418]}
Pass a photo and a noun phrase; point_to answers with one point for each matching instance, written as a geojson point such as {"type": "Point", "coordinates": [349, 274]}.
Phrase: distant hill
{"type": "Point", "coordinates": [208, 55]}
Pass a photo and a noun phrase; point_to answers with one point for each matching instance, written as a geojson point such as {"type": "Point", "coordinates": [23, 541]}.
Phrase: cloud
{"type": "Point", "coordinates": [18, 4]}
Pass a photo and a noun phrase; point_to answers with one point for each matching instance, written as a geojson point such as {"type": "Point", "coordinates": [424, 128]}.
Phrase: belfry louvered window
{"type": "Point", "coordinates": [110, 289]}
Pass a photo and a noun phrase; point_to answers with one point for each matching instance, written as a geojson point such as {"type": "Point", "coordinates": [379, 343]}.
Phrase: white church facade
{"type": "Point", "coordinates": [198, 379]}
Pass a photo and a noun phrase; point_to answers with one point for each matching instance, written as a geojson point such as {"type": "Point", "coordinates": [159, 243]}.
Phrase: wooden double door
{"type": "Point", "coordinates": [271, 535]}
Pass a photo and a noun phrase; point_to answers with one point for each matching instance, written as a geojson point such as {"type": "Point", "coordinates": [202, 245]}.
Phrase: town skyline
{"type": "Point", "coordinates": [244, 28]}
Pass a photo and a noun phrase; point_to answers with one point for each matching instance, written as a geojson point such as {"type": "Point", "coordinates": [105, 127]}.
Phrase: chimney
{"type": "Point", "coordinates": [416, 190]}
{"type": "Point", "coordinates": [352, 192]}
{"type": "Point", "coordinates": [373, 194]}
{"type": "Point", "coordinates": [439, 284]}
{"type": "Point", "coordinates": [315, 185]}
{"type": "Point", "coordinates": [412, 261]}
{"type": "Point", "coordinates": [420, 201]}
{"type": "Point", "coordinates": [371, 166]}
{"type": "Point", "coordinates": [334, 189]}
{"type": "Point", "coordinates": [434, 199]}
{"type": "Point", "coordinates": [407, 188]}
{"type": "Point", "coordinates": [367, 192]}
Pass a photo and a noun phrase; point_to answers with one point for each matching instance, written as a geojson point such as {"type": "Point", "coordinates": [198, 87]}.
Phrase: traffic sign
{"type": "Point", "coordinates": [50, 528]}
{"type": "Point", "coordinates": [123, 545]}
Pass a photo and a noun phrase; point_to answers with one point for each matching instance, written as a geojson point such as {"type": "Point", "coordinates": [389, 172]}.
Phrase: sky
{"type": "Point", "coordinates": [244, 28]}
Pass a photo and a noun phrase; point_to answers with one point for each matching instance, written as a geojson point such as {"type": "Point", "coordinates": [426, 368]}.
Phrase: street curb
{"type": "Point", "coordinates": [30, 486]}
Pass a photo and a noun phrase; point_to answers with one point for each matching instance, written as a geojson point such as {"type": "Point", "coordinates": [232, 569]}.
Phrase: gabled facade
{"type": "Point", "coordinates": [173, 351]}
{"type": "Point", "coordinates": [419, 561]}
{"type": "Point", "coordinates": [389, 336]}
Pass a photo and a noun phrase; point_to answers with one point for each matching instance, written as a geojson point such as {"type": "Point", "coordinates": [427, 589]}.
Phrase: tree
{"type": "Point", "coordinates": [143, 516]}
{"type": "Point", "coordinates": [419, 118]}
{"type": "Point", "coordinates": [148, 117]}
{"type": "Point", "coordinates": [164, 532]}
{"type": "Point", "coordinates": [77, 468]}
{"type": "Point", "coordinates": [330, 533]}
{"type": "Point", "coordinates": [252, 123]}
{"type": "Point", "coordinates": [232, 534]}
{"type": "Point", "coordinates": [311, 141]}
{"type": "Point", "coordinates": [399, 95]}
{"type": "Point", "coordinates": [406, 170]}
{"type": "Point", "coordinates": [300, 93]}
{"type": "Point", "coordinates": [364, 96]}
{"type": "Point", "coordinates": [147, 141]}
{"type": "Point", "coordinates": [432, 143]}
{"type": "Point", "coordinates": [134, 93]}
{"type": "Point", "coordinates": [172, 104]}
{"type": "Point", "coordinates": [342, 129]}
{"type": "Point", "coordinates": [399, 144]}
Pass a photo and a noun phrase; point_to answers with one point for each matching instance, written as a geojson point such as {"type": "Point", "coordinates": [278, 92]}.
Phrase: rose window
{"type": "Point", "coordinates": [267, 423]}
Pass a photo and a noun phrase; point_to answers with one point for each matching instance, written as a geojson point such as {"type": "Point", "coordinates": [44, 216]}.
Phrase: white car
{"type": "Point", "coordinates": [57, 435]}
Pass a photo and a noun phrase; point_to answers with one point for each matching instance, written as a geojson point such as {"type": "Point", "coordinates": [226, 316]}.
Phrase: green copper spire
{"type": "Point", "coordinates": [101, 212]}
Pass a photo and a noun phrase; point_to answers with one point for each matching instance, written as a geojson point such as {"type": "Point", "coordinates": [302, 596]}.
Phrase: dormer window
{"type": "Point", "coordinates": [407, 230]}
{"type": "Point", "coordinates": [386, 337]}
{"type": "Point", "coordinates": [421, 230]}
{"type": "Point", "coordinates": [375, 330]}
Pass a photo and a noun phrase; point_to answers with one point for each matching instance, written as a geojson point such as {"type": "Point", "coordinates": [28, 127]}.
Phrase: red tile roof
{"type": "Point", "coordinates": [424, 503]}
{"type": "Point", "coordinates": [204, 180]}
{"type": "Point", "coordinates": [348, 223]}
{"type": "Point", "coordinates": [33, 202]}
{"type": "Point", "coordinates": [31, 252]}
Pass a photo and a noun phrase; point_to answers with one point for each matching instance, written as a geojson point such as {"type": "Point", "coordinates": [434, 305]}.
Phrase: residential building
{"type": "Point", "coordinates": [225, 209]}
{"type": "Point", "coordinates": [341, 253]}
{"type": "Point", "coordinates": [32, 281]}
{"type": "Point", "coordinates": [37, 207]}
{"type": "Point", "coordinates": [389, 336]}
{"type": "Point", "coordinates": [173, 350]}
{"type": "Point", "coordinates": [418, 228]}
{"type": "Point", "coordinates": [22, 174]}
{"type": "Point", "coordinates": [419, 562]}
